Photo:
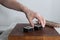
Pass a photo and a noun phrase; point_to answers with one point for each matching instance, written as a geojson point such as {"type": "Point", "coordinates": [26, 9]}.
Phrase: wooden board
{"type": "Point", "coordinates": [47, 33]}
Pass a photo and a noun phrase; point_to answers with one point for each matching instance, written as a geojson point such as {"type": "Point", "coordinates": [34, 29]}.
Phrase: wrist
{"type": "Point", "coordinates": [26, 10]}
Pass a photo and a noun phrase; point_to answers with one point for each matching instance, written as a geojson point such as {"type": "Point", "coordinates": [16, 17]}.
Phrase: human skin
{"type": "Point", "coordinates": [13, 4]}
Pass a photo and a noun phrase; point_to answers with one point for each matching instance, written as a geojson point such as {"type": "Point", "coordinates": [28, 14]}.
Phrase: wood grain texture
{"type": "Point", "coordinates": [46, 33]}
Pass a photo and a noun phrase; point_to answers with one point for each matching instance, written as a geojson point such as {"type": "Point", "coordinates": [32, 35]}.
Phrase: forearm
{"type": "Point", "coordinates": [15, 5]}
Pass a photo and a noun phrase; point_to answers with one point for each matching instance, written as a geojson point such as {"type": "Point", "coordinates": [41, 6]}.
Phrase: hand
{"type": "Point", "coordinates": [31, 15]}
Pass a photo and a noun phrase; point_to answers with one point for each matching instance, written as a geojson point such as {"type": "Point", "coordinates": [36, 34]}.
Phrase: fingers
{"type": "Point", "coordinates": [41, 20]}
{"type": "Point", "coordinates": [44, 22]}
{"type": "Point", "coordinates": [31, 23]}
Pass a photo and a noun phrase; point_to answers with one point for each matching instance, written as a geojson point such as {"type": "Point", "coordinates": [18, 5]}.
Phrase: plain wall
{"type": "Point", "coordinates": [50, 9]}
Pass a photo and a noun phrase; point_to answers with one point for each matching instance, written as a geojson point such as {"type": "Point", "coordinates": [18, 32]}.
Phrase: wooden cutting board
{"type": "Point", "coordinates": [47, 33]}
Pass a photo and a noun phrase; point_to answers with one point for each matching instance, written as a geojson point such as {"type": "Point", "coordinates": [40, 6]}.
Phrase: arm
{"type": "Point", "coordinates": [13, 4]}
